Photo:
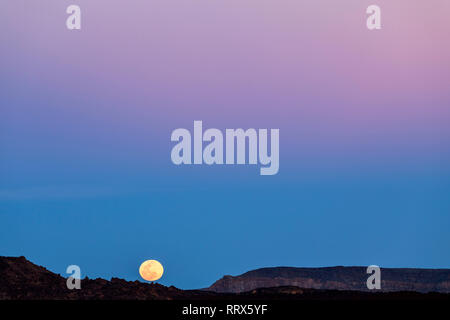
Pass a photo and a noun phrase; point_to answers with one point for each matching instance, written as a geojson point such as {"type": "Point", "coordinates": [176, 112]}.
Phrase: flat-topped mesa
{"type": "Point", "coordinates": [340, 278]}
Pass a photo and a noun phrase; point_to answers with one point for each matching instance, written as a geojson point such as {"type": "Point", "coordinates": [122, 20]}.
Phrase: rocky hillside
{"type": "Point", "coordinates": [340, 278]}
{"type": "Point", "coordinates": [21, 279]}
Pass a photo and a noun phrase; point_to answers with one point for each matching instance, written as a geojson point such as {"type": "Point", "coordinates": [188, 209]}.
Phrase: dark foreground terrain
{"type": "Point", "coordinates": [22, 280]}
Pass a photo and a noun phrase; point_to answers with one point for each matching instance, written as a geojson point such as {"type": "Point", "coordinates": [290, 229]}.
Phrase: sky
{"type": "Point", "coordinates": [86, 119]}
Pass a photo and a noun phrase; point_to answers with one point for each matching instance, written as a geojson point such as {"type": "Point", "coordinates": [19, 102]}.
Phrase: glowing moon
{"type": "Point", "coordinates": [151, 270]}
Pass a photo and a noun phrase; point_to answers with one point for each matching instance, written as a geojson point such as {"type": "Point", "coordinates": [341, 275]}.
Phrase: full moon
{"type": "Point", "coordinates": [151, 270]}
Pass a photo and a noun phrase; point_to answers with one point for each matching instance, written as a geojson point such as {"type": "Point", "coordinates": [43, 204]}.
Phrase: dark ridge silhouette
{"type": "Point", "coordinates": [22, 280]}
{"type": "Point", "coordinates": [337, 278]}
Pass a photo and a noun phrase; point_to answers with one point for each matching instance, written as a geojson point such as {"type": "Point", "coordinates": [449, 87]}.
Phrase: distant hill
{"type": "Point", "coordinates": [336, 278]}
{"type": "Point", "coordinates": [20, 279]}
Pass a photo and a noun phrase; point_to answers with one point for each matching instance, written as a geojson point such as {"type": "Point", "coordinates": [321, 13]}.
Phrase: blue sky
{"type": "Point", "coordinates": [205, 229]}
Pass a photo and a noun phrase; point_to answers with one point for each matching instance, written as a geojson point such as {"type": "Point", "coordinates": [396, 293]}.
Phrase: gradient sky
{"type": "Point", "coordinates": [86, 118]}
